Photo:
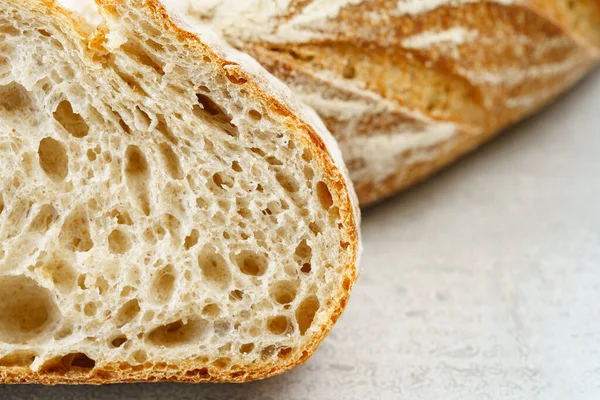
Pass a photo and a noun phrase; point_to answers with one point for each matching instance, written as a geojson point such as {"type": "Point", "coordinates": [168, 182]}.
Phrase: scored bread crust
{"type": "Point", "coordinates": [409, 86]}
{"type": "Point", "coordinates": [278, 98]}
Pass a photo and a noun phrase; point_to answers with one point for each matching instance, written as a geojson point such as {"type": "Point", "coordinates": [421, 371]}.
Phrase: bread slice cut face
{"type": "Point", "coordinates": [166, 211]}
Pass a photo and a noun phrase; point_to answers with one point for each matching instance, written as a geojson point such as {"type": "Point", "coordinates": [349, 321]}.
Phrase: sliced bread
{"type": "Point", "coordinates": [167, 210]}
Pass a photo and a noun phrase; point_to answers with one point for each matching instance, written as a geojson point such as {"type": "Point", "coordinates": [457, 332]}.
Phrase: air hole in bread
{"type": "Point", "coordinates": [215, 270]}
{"type": "Point", "coordinates": [254, 115]}
{"type": "Point", "coordinates": [118, 341]}
{"type": "Point", "coordinates": [9, 30]}
{"type": "Point", "coordinates": [287, 182]}
{"type": "Point", "coordinates": [192, 239]}
{"type": "Point", "coordinates": [179, 332]}
{"type": "Point", "coordinates": [284, 352]}
{"type": "Point", "coordinates": [137, 174]}
{"type": "Point", "coordinates": [70, 363]}
{"type": "Point", "coordinates": [101, 284]}
{"type": "Point", "coordinates": [314, 228]}
{"type": "Point", "coordinates": [236, 80]}
{"type": "Point", "coordinates": [222, 328]}
{"type": "Point", "coordinates": [163, 128]}
{"type": "Point", "coordinates": [122, 217]}
{"type": "Point", "coordinates": [306, 268]}
{"type": "Point", "coordinates": [60, 273]}
{"type": "Point", "coordinates": [274, 160]}
{"type": "Point", "coordinates": [303, 251]}
{"type": "Point", "coordinates": [75, 232]}
{"type": "Point", "coordinates": [349, 70]}
{"type": "Point", "coordinates": [223, 181]}
{"type": "Point", "coordinates": [46, 216]}
{"type": "Point", "coordinates": [236, 166]}
{"type": "Point", "coordinates": [90, 309]}
{"type": "Point", "coordinates": [324, 195]}
{"type": "Point", "coordinates": [173, 225]}
{"type": "Point", "coordinates": [210, 107]}
{"type": "Point", "coordinates": [258, 151]}
{"type": "Point", "coordinates": [211, 310]}
{"type": "Point", "coordinates": [118, 242]}
{"type": "Point", "coordinates": [72, 122]}
{"type": "Point", "coordinates": [27, 310]}
{"type": "Point", "coordinates": [163, 285]}
{"type": "Point", "coordinates": [14, 97]}
{"type": "Point", "coordinates": [277, 325]}
{"type": "Point", "coordinates": [305, 313]}
{"type": "Point", "coordinates": [131, 82]}
{"type": "Point", "coordinates": [251, 263]}
{"type": "Point", "coordinates": [268, 352]}
{"type": "Point", "coordinates": [53, 159]}
{"type": "Point", "coordinates": [136, 51]}
{"type": "Point", "coordinates": [171, 161]}
{"type": "Point", "coordinates": [236, 295]}
{"type": "Point", "coordinates": [127, 313]}
{"type": "Point", "coordinates": [139, 356]}
{"type": "Point", "coordinates": [141, 119]}
{"type": "Point", "coordinates": [246, 348]}
{"type": "Point", "coordinates": [23, 358]}
{"type": "Point", "coordinates": [1, 203]}
{"type": "Point", "coordinates": [91, 155]}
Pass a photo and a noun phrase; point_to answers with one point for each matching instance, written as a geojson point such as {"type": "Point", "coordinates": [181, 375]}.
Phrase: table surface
{"type": "Point", "coordinates": [482, 283]}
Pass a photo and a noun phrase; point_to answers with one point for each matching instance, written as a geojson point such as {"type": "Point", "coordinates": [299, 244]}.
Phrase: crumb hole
{"type": "Point", "coordinates": [171, 161]}
{"type": "Point", "coordinates": [27, 310]}
{"type": "Point", "coordinates": [236, 166]}
{"type": "Point", "coordinates": [60, 273]}
{"type": "Point", "coordinates": [284, 352]}
{"type": "Point", "coordinates": [72, 362]}
{"type": "Point", "coordinates": [178, 333]}
{"type": "Point", "coordinates": [75, 232]}
{"type": "Point", "coordinates": [283, 292]}
{"type": "Point", "coordinates": [72, 122]}
{"type": "Point", "coordinates": [277, 325]}
{"type": "Point", "coordinates": [251, 263]}
{"type": "Point", "coordinates": [324, 195]}
{"type": "Point", "coordinates": [305, 313]}
{"type": "Point", "coordinates": [306, 268]}
{"type": "Point", "coordinates": [127, 313]}
{"type": "Point", "coordinates": [137, 174]}
{"type": "Point", "coordinates": [254, 115]}
{"type": "Point", "coordinates": [246, 348]}
{"type": "Point", "coordinates": [18, 359]}
{"type": "Point", "coordinates": [163, 285]}
{"type": "Point", "coordinates": [223, 181]}
{"type": "Point", "coordinates": [211, 310]}
{"type": "Point", "coordinates": [192, 239]}
{"type": "Point", "coordinates": [236, 295]}
{"type": "Point", "coordinates": [122, 217]}
{"type": "Point", "coordinates": [303, 250]}
{"type": "Point", "coordinates": [214, 268]}
{"type": "Point", "coordinates": [118, 242]}
{"type": "Point", "coordinates": [53, 159]}
{"type": "Point", "coordinates": [118, 341]}
{"type": "Point", "coordinates": [44, 219]}
{"type": "Point", "coordinates": [287, 182]}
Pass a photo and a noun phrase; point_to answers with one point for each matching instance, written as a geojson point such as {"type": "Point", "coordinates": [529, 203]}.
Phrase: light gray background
{"type": "Point", "coordinates": [483, 283]}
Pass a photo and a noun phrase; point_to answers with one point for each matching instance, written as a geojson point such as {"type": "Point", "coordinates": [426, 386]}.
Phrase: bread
{"type": "Point", "coordinates": [407, 86]}
{"type": "Point", "coordinates": [167, 211]}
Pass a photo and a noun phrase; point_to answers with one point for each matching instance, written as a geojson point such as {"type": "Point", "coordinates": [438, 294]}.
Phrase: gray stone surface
{"type": "Point", "coordinates": [483, 283]}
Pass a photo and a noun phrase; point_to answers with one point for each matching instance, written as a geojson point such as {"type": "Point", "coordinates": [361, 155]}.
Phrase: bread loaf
{"type": "Point", "coordinates": [167, 211]}
{"type": "Point", "coordinates": [407, 86]}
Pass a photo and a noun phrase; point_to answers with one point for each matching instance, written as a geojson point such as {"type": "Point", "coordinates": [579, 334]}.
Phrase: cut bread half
{"type": "Point", "coordinates": [167, 212]}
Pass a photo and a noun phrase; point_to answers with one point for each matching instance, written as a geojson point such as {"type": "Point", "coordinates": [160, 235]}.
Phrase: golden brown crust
{"type": "Point", "coordinates": [479, 65]}
{"type": "Point", "coordinates": [199, 371]}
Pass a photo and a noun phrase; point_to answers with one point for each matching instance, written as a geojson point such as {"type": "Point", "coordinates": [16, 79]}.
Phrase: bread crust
{"type": "Point", "coordinates": [406, 67]}
{"type": "Point", "coordinates": [314, 134]}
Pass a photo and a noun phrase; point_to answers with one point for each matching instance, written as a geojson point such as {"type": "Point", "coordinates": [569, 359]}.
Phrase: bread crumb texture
{"type": "Point", "coordinates": [161, 218]}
